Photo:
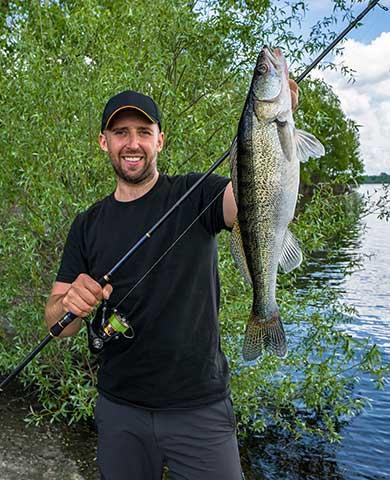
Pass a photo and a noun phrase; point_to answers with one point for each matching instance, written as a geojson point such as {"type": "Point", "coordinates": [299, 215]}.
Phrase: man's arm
{"type": "Point", "coordinates": [79, 297]}
{"type": "Point", "coordinates": [229, 206]}
{"type": "Point", "coordinates": [229, 202]}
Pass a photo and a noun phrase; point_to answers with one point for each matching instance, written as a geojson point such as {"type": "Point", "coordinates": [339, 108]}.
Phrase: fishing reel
{"type": "Point", "coordinates": [108, 324]}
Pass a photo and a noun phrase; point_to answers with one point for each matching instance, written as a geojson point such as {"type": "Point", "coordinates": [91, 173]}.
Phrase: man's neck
{"type": "Point", "coordinates": [127, 192]}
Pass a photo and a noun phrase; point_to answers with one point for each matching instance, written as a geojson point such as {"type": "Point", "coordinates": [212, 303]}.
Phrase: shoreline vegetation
{"type": "Point", "coordinates": [382, 178]}
{"type": "Point", "coordinates": [60, 60]}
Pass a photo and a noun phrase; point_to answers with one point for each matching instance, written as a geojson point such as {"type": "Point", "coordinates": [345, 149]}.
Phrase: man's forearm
{"type": "Point", "coordinates": [55, 311]}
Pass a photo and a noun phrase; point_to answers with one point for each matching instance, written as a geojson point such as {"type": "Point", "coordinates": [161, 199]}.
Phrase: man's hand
{"type": "Point", "coordinates": [83, 295]}
{"type": "Point", "coordinates": [294, 90]}
{"type": "Point", "coordinates": [79, 297]}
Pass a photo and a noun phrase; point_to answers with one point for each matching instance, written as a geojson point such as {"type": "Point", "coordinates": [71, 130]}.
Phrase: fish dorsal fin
{"type": "Point", "coordinates": [237, 250]}
{"type": "Point", "coordinates": [233, 167]}
{"type": "Point", "coordinates": [307, 146]}
{"type": "Point", "coordinates": [291, 256]}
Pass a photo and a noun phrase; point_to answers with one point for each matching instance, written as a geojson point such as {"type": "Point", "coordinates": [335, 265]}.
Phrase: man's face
{"type": "Point", "coordinates": [132, 143]}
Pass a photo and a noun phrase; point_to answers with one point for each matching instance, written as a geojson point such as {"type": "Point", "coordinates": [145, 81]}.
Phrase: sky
{"type": "Point", "coordinates": [367, 99]}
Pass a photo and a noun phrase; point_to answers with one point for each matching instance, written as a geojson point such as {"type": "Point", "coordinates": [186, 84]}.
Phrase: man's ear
{"type": "Point", "coordinates": [160, 142]}
{"type": "Point", "coordinates": [103, 142]}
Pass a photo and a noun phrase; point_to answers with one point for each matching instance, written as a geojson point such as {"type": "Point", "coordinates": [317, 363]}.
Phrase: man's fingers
{"type": "Point", "coordinates": [107, 290]}
{"type": "Point", "coordinates": [84, 294]}
{"type": "Point", "coordinates": [294, 90]}
{"type": "Point", "coordinates": [77, 306]}
{"type": "Point", "coordinates": [79, 294]}
{"type": "Point", "coordinates": [85, 281]}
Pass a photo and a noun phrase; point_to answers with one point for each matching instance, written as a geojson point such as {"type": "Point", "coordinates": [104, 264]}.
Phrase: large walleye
{"type": "Point", "coordinates": [265, 160]}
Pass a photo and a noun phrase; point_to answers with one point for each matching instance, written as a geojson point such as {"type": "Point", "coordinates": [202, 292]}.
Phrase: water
{"type": "Point", "coordinates": [364, 452]}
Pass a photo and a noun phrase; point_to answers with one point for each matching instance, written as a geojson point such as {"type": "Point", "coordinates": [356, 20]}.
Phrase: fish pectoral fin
{"type": "Point", "coordinates": [307, 146]}
{"type": "Point", "coordinates": [264, 334]}
{"type": "Point", "coordinates": [291, 256]}
{"type": "Point", "coordinates": [237, 250]}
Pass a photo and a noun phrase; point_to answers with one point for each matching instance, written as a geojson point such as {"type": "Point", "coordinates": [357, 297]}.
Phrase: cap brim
{"type": "Point", "coordinates": [129, 107]}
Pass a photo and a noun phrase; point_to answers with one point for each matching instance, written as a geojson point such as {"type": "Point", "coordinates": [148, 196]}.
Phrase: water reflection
{"type": "Point", "coordinates": [360, 272]}
{"type": "Point", "coordinates": [364, 453]}
{"type": "Point", "coordinates": [274, 456]}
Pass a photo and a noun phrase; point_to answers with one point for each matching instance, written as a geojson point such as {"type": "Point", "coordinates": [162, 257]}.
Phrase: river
{"type": "Point", "coordinates": [62, 453]}
{"type": "Point", "coordinates": [364, 452]}
{"type": "Point", "coordinates": [365, 449]}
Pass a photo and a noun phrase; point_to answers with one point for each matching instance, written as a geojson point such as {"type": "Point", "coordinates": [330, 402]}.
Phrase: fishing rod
{"type": "Point", "coordinates": [68, 318]}
{"type": "Point", "coordinates": [117, 324]}
{"type": "Point", "coordinates": [337, 40]}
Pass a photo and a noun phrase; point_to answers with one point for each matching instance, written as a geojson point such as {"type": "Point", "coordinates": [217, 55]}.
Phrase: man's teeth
{"type": "Point", "coordinates": [132, 159]}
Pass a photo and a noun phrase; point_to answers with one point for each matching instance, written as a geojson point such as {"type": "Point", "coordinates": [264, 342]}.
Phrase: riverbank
{"type": "Point", "coordinates": [47, 451]}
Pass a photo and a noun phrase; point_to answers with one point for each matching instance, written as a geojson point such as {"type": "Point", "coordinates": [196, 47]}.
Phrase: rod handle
{"type": "Point", "coordinates": [58, 327]}
{"type": "Point", "coordinates": [68, 318]}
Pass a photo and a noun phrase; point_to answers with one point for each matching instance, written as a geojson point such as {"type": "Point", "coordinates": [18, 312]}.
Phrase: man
{"type": "Point", "coordinates": [164, 394]}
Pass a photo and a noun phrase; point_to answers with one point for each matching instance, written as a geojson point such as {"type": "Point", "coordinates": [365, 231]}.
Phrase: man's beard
{"type": "Point", "coordinates": [140, 178]}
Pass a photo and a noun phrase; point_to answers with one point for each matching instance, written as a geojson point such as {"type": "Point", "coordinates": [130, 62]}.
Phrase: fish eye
{"type": "Point", "coordinates": [262, 68]}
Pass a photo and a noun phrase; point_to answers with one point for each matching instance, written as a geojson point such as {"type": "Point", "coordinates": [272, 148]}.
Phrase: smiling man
{"type": "Point", "coordinates": [132, 141]}
{"type": "Point", "coordinates": [164, 396]}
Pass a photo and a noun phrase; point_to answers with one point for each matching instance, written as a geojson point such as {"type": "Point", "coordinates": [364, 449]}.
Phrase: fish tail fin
{"type": "Point", "coordinates": [263, 334]}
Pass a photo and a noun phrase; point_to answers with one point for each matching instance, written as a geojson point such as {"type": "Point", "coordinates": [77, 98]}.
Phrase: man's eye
{"type": "Point", "coordinates": [145, 132]}
{"type": "Point", "coordinates": [120, 132]}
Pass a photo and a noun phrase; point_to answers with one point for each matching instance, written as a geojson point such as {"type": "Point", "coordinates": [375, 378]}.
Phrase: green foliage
{"type": "Point", "coordinates": [320, 113]}
{"type": "Point", "coordinates": [327, 219]}
{"type": "Point", "coordinates": [377, 202]}
{"type": "Point", "coordinates": [382, 178]}
{"type": "Point", "coordinates": [311, 390]}
{"type": "Point", "coordinates": [60, 61]}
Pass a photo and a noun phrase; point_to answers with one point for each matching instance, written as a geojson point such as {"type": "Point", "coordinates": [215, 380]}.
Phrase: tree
{"type": "Point", "coordinates": [321, 114]}
{"type": "Point", "coordinates": [61, 59]}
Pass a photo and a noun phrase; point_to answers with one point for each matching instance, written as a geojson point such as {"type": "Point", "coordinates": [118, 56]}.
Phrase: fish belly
{"type": "Point", "coordinates": [267, 184]}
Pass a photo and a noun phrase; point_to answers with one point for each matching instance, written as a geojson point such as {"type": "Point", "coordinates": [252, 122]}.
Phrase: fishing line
{"type": "Point", "coordinates": [169, 249]}
{"type": "Point", "coordinates": [337, 39]}
{"type": "Point", "coordinates": [68, 318]}
{"type": "Point", "coordinates": [299, 79]}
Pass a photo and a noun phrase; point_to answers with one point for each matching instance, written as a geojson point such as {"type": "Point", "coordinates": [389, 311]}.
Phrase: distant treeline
{"type": "Point", "coordinates": [382, 178]}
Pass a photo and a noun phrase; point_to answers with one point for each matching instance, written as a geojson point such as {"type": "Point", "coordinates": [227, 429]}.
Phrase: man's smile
{"type": "Point", "coordinates": [132, 158]}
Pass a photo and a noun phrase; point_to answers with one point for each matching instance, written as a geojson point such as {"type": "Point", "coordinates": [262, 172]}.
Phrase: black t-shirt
{"type": "Point", "coordinates": [175, 359]}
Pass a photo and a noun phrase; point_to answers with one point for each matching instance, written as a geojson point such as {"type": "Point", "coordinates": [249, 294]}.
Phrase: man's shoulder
{"type": "Point", "coordinates": [178, 182]}
{"type": "Point", "coordinates": [177, 178]}
{"type": "Point", "coordinates": [93, 210]}
{"type": "Point", "coordinates": [192, 177]}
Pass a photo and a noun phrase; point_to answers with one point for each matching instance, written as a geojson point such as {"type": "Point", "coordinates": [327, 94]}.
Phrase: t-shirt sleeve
{"type": "Point", "coordinates": [73, 261]}
{"type": "Point", "coordinates": [212, 188]}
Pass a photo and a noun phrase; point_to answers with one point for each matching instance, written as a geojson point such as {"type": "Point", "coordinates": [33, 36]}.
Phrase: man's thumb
{"type": "Point", "coordinates": [107, 290]}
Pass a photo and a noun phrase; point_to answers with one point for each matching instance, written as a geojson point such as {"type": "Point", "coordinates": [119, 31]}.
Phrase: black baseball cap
{"type": "Point", "coordinates": [130, 100]}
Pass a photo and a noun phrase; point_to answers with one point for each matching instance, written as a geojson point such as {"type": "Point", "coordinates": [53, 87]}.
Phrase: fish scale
{"type": "Point", "coordinates": [255, 214]}
{"type": "Point", "coordinates": [265, 176]}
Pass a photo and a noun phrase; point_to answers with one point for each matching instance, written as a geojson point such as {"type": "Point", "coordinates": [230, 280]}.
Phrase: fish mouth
{"type": "Point", "coordinates": [268, 60]}
{"type": "Point", "coordinates": [268, 73]}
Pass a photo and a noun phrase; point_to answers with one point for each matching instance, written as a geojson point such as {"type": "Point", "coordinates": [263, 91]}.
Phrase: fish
{"type": "Point", "coordinates": [265, 161]}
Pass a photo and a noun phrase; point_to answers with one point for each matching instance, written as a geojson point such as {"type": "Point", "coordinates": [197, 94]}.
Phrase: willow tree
{"type": "Point", "coordinates": [321, 114]}
{"type": "Point", "coordinates": [60, 60]}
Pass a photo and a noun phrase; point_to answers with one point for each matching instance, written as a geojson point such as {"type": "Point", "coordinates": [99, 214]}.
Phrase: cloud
{"type": "Point", "coordinates": [367, 99]}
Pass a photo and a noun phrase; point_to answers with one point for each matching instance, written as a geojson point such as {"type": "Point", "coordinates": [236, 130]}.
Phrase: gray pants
{"type": "Point", "coordinates": [198, 444]}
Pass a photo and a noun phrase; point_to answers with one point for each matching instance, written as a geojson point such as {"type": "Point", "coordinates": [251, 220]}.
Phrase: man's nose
{"type": "Point", "coordinates": [132, 140]}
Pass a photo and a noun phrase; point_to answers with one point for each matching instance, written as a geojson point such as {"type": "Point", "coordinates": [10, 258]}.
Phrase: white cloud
{"type": "Point", "coordinates": [367, 100]}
